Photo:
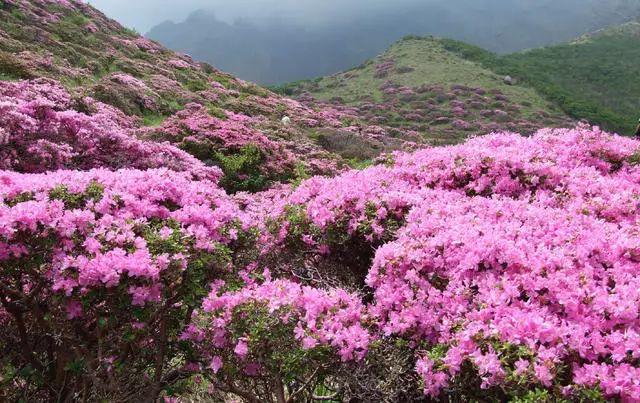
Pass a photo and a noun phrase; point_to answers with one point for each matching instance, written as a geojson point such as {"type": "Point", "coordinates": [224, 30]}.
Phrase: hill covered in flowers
{"type": "Point", "coordinates": [419, 84]}
{"type": "Point", "coordinates": [102, 71]}
{"type": "Point", "coordinates": [134, 265]}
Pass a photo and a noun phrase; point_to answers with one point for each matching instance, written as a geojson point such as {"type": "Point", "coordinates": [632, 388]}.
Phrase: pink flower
{"type": "Point", "coordinates": [309, 343]}
{"type": "Point", "coordinates": [241, 349]}
{"type": "Point", "coordinates": [324, 249]}
{"type": "Point", "coordinates": [165, 233]}
{"type": "Point", "coordinates": [216, 364]}
{"type": "Point", "coordinates": [522, 366]}
{"type": "Point", "coordinates": [543, 374]}
{"type": "Point", "coordinates": [74, 310]}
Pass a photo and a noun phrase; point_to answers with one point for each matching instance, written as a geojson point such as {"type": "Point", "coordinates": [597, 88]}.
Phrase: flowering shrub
{"type": "Point", "coordinates": [514, 270]}
{"type": "Point", "coordinates": [248, 158]}
{"type": "Point", "coordinates": [42, 132]}
{"type": "Point", "coordinates": [502, 268]}
{"type": "Point", "coordinates": [278, 331]}
{"type": "Point", "coordinates": [100, 273]}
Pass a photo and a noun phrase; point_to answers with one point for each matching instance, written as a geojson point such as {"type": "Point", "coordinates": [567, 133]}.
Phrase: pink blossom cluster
{"type": "Point", "coordinates": [147, 45]}
{"type": "Point", "coordinates": [196, 127]}
{"type": "Point", "coordinates": [179, 64]}
{"type": "Point", "coordinates": [506, 242]}
{"type": "Point", "coordinates": [315, 318]}
{"type": "Point", "coordinates": [101, 242]}
{"type": "Point", "coordinates": [384, 68]}
{"type": "Point", "coordinates": [128, 80]}
{"type": "Point", "coordinates": [42, 132]}
{"type": "Point", "coordinates": [468, 272]}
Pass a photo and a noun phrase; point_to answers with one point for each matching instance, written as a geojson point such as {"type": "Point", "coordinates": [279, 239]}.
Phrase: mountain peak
{"type": "Point", "coordinates": [420, 84]}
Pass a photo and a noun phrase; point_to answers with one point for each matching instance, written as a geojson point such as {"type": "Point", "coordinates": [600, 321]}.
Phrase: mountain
{"type": "Point", "coordinates": [267, 54]}
{"type": "Point", "coordinates": [419, 85]}
{"type": "Point", "coordinates": [592, 77]}
{"type": "Point", "coordinates": [282, 50]}
{"type": "Point", "coordinates": [153, 95]}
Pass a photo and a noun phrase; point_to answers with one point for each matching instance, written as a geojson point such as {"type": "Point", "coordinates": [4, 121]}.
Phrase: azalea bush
{"type": "Point", "coordinates": [509, 264]}
{"type": "Point", "coordinates": [176, 258]}
{"type": "Point", "coordinates": [101, 272]}
{"type": "Point", "coordinates": [277, 339]}
{"type": "Point", "coordinates": [42, 128]}
{"type": "Point", "coordinates": [504, 268]}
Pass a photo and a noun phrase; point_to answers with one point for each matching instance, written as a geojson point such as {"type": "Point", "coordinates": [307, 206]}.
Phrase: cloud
{"type": "Point", "coordinates": [143, 14]}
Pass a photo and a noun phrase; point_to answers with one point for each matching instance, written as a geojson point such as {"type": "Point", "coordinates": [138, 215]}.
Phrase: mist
{"type": "Point", "coordinates": [144, 14]}
{"type": "Point", "coordinates": [275, 41]}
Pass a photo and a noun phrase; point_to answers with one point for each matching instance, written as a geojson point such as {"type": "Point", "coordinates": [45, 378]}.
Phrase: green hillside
{"type": "Point", "coordinates": [594, 77]}
{"type": "Point", "coordinates": [420, 84]}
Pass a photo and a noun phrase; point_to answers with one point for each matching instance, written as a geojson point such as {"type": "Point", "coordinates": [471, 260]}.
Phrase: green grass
{"type": "Point", "coordinates": [7, 77]}
{"type": "Point", "coordinates": [151, 120]}
{"type": "Point", "coordinates": [359, 164]}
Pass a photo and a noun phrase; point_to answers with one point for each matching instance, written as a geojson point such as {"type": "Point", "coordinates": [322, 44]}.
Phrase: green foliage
{"type": "Point", "coordinates": [299, 174]}
{"type": "Point", "coordinates": [70, 28]}
{"type": "Point", "coordinates": [94, 191]}
{"type": "Point", "coordinates": [21, 198]}
{"type": "Point", "coordinates": [153, 120]}
{"type": "Point", "coordinates": [217, 112]}
{"type": "Point", "coordinates": [56, 8]}
{"type": "Point", "coordinates": [131, 32]}
{"type": "Point", "coordinates": [534, 396]}
{"type": "Point", "coordinates": [242, 170]}
{"type": "Point", "coordinates": [77, 19]}
{"type": "Point", "coordinates": [105, 66]}
{"type": "Point", "coordinates": [222, 79]}
{"type": "Point", "coordinates": [256, 90]}
{"type": "Point", "coordinates": [287, 89]}
{"type": "Point", "coordinates": [197, 85]}
{"type": "Point", "coordinates": [17, 13]}
{"type": "Point", "coordinates": [359, 164]}
{"type": "Point", "coordinates": [593, 79]}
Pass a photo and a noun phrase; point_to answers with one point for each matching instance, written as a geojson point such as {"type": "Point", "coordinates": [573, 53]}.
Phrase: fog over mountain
{"type": "Point", "coordinates": [273, 41]}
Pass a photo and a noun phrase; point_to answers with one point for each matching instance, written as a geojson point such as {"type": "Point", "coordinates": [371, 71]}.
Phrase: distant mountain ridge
{"type": "Point", "coordinates": [272, 53]}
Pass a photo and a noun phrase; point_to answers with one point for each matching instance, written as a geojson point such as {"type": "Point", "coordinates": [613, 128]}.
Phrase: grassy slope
{"type": "Point", "coordinates": [432, 64]}
{"type": "Point", "coordinates": [43, 39]}
{"type": "Point", "coordinates": [593, 78]}
{"type": "Point", "coordinates": [599, 73]}
{"type": "Point", "coordinates": [64, 49]}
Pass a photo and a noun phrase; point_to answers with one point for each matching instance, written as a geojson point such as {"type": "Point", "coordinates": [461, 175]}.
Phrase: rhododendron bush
{"type": "Point", "coordinates": [136, 264]}
{"type": "Point", "coordinates": [41, 131]}
{"type": "Point", "coordinates": [101, 270]}
{"type": "Point", "coordinates": [503, 268]}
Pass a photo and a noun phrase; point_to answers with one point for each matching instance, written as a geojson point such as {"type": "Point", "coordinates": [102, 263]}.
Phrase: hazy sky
{"type": "Point", "coordinates": [144, 14]}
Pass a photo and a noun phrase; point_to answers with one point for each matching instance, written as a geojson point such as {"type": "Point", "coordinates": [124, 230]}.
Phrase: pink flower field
{"type": "Point", "coordinates": [133, 267]}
